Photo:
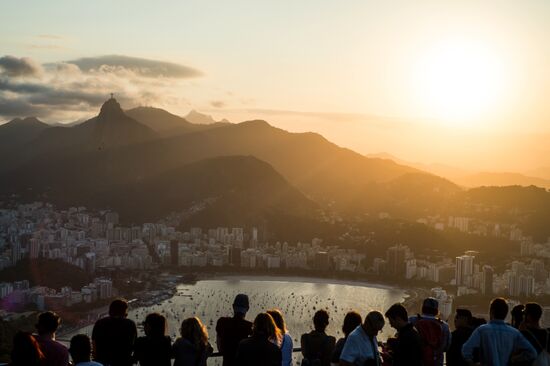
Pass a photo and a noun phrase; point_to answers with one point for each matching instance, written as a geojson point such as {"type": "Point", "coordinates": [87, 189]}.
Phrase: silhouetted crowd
{"type": "Point", "coordinates": [421, 340]}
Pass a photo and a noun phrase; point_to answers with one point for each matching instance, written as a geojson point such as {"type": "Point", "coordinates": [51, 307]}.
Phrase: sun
{"type": "Point", "coordinates": [458, 82]}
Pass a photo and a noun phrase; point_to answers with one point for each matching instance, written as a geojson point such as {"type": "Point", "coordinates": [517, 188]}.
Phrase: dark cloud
{"type": "Point", "coordinates": [18, 108]}
{"type": "Point", "coordinates": [217, 104]}
{"type": "Point", "coordinates": [13, 66]}
{"type": "Point", "coordinates": [140, 66]}
{"type": "Point", "coordinates": [7, 85]}
{"type": "Point", "coordinates": [44, 94]}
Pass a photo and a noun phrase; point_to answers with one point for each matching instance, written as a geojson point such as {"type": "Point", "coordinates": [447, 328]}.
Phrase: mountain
{"type": "Point", "coordinates": [199, 118]}
{"type": "Point", "coordinates": [540, 172]}
{"type": "Point", "coordinates": [165, 123]}
{"type": "Point", "coordinates": [501, 179]}
{"type": "Point", "coordinates": [322, 170]}
{"type": "Point", "coordinates": [443, 170]}
{"type": "Point", "coordinates": [240, 190]}
{"type": "Point", "coordinates": [111, 128]}
{"type": "Point", "coordinates": [18, 132]}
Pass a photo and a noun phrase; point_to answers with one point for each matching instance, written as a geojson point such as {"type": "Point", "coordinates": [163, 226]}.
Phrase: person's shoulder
{"type": "Point", "coordinates": [223, 321]}
{"type": "Point", "coordinates": [129, 322]}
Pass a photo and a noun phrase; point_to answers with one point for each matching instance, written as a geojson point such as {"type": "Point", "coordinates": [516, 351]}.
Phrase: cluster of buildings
{"type": "Point", "coordinates": [18, 294]}
{"type": "Point", "coordinates": [98, 243]}
{"type": "Point", "coordinates": [475, 226]}
{"type": "Point", "coordinates": [520, 279]}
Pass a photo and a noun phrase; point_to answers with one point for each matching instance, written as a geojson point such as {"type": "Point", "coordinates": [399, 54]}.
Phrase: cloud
{"type": "Point", "coordinates": [17, 108]}
{"type": "Point", "coordinates": [66, 91]}
{"type": "Point", "coordinates": [139, 66]}
{"type": "Point", "coordinates": [14, 67]}
{"type": "Point", "coordinates": [217, 103]}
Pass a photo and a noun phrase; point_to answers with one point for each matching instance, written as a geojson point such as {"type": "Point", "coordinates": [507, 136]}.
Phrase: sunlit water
{"type": "Point", "coordinates": [298, 299]}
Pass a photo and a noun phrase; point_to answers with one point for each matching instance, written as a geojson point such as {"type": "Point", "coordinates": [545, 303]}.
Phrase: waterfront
{"type": "Point", "coordinates": [298, 299]}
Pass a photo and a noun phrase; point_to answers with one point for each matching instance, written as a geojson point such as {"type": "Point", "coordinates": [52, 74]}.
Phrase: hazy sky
{"type": "Point", "coordinates": [466, 83]}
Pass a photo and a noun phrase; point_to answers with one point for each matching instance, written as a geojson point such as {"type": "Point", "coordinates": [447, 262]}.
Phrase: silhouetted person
{"type": "Point", "coordinates": [230, 331]}
{"type": "Point", "coordinates": [55, 354]}
{"type": "Point", "coordinates": [286, 343]}
{"type": "Point", "coordinates": [497, 341]}
{"type": "Point", "coordinates": [407, 348]}
{"type": "Point", "coordinates": [351, 321]}
{"type": "Point", "coordinates": [317, 346]}
{"type": "Point", "coordinates": [261, 348]}
{"type": "Point", "coordinates": [463, 331]}
{"type": "Point", "coordinates": [113, 337]}
{"type": "Point", "coordinates": [26, 350]}
{"type": "Point", "coordinates": [531, 329]}
{"type": "Point", "coordinates": [361, 347]}
{"type": "Point", "coordinates": [516, 316]}
{"type": "Point", "coordinates": [155, 349]}
{"type": "Point", "coordinates": [193, 347]}
{"type": "Point", "coordinates": [434, 332]}
{"type": "Point", "coordinates": [81, 351]}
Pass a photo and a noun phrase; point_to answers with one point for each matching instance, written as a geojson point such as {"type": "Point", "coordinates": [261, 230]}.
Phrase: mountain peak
{"type": "Point", "coordinates": [199, 118]}
{"type": "Point", "coordinates": [111, 108]}
{"type": "Point", "coordinates": [27, 121]}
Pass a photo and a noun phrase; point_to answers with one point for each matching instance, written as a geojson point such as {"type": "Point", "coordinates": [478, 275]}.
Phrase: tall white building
{"type": "Point", "coordinates": [464, 270]}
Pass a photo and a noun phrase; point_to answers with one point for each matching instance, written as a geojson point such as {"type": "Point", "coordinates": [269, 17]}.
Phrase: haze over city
{"type": "Point", "coordinates": [460, 84]}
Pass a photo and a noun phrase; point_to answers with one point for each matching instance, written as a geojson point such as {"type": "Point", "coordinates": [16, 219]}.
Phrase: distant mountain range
{"type": "Point", "coordinates": [146, 163]}
{"type": "Point", "coordinates": [467, 178]}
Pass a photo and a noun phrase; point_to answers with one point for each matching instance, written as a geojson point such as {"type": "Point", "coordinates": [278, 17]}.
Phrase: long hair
{"type": "Point", "coordinates": [279, 319]}
{"type": "Point", "coordinates": [351, 321]}
{"type": "Point", "coordinates": [195, 332]}
{"type": "Point", "coordinates": [26, 350]}
{"type": "Point", "coordinates": [264, 326]}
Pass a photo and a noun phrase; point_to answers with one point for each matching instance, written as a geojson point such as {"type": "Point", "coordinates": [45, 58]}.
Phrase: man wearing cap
{"type": "Point", "coordinates": [434, 332]}
{"type": "Point", "coordinates": [463, 331]}
{"type": "Point", "coordinates": [231, 330]}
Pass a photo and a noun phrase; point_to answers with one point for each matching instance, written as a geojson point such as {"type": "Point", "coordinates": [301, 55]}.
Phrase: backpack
{"type": "Point", "coordinates": [431, 334]}
{"type": "Point", "coordinates": [543, 358]}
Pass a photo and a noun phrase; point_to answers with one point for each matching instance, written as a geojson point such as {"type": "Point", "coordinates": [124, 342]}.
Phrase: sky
{"type": "Point", "coordinates": [462, 83]}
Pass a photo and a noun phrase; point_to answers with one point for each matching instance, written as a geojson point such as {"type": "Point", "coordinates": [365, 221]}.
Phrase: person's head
{"type": "Point", "coordinates": [194, 331]}
{"type": "Point", "coordinates": [517, 315]}
{"type": "Point", "coordinates": [498, 309]}
{"type": "Point", "coordinates": [430, 306]}
{"type": "Point", "coordinates": [118, 308]}
{"type": "Point", "coordinates": [533, 313]}
{"type": "Point", "coordinates": [279, 319]}
{"type": "Point", "coordinates": [374, 322]}
{"type": "Point", "coordinates": [264, 326]}
{"type": "Point", "coordinates": [80, 348]}
{"type": "Point", "coordinates": [320, 320]}
{"type": "Point", "coordinates": [48, 322]}
{"type": "Point", "coordinates": [351, 321]}
{"type": "Point", "coordinates": [154, 325]}
{"type": "Point", "coordinates": [26, 350]}
{"type": "Point", "coordinates": [463, 318]}
{"type": "Point", "coordinates": [397, 315]}
{"type": "Point", "coordinates": [241, 305]}
{"type": "Point", "coordinates": [477, 321]}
